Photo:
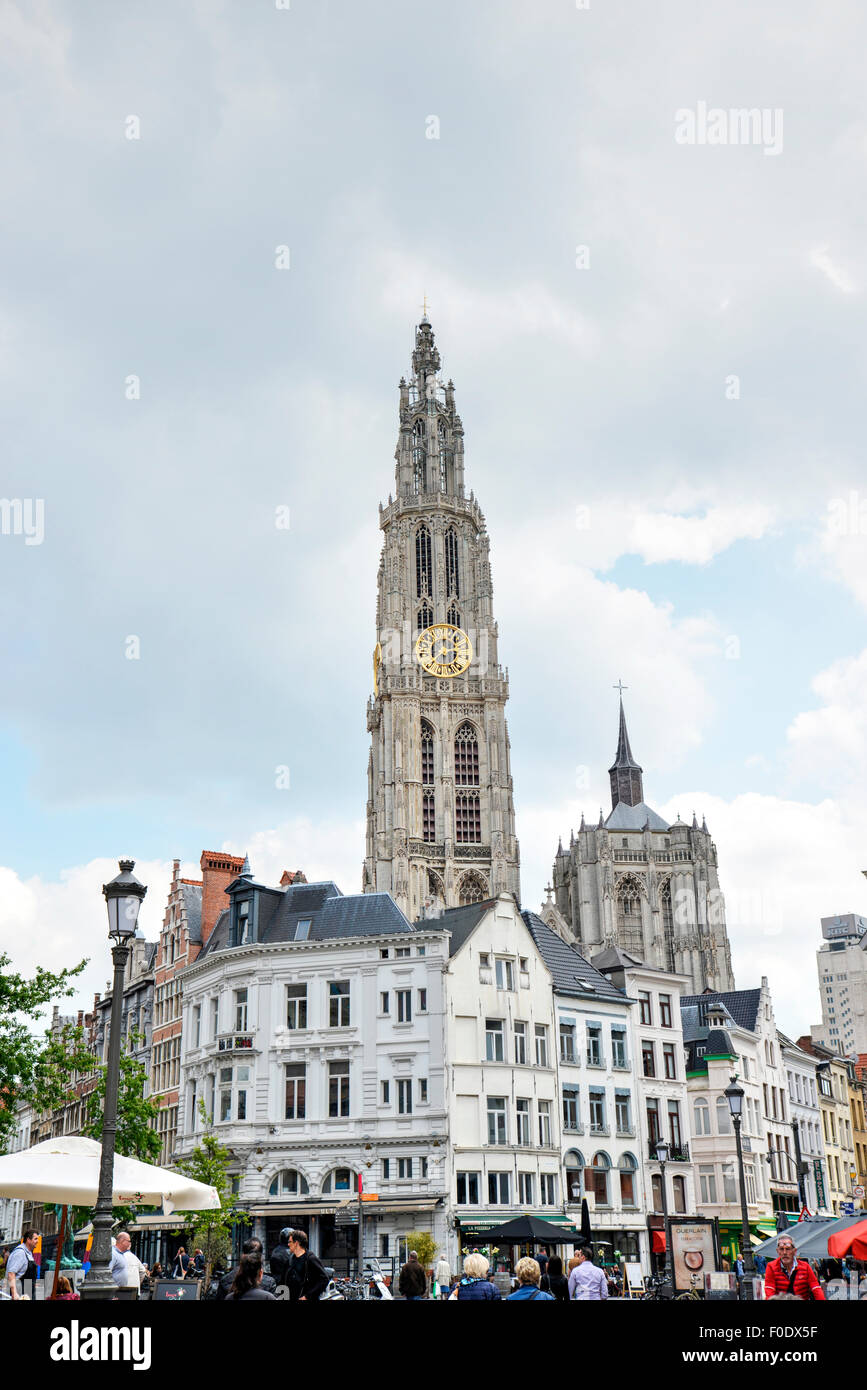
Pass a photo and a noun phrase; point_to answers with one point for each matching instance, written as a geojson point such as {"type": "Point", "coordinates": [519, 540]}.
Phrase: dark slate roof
{"type": "Point", "coordinates": [623, 757]}
{"type": "Point", "coordinates": [715, 1043]}
{"type": "Point", "coordinates": [192, 896]}
{"type": "Point", "coordinates": [635, 817]}
{"type": "Point", "coordinates": [459, 922]}
{"type": "Point", "coordinates": [615, 958]}
{"type": "Point", "coordinates": [742, 1004]}
{"type": "Point", "coordinates": [570, 972]}
{"type": "Point", "coordinates": [331, 915]}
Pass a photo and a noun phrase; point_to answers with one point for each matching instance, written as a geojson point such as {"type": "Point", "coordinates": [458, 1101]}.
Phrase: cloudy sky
{"type": "Point", "coordinates": [659, 355]}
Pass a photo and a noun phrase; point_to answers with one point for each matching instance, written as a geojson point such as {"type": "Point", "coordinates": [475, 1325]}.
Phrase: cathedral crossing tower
{"type": "Point", "coordinates": [440, 815]}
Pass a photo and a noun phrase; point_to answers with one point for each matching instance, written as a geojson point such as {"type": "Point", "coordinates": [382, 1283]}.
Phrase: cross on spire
{"type": "Point", "coordinates": [424, 307]}
{"type": "Point", "coordinates": [621, 687]}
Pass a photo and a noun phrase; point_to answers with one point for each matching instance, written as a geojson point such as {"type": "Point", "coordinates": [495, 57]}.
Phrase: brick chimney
{"type": "Point", "coordinates": [291, 876]}
{"type": "Point", "coordinates": [218, 871]}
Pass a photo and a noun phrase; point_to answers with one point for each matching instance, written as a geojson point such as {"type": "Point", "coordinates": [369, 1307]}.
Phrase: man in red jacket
{"type": "Point", "coordinates": [790, 1275]}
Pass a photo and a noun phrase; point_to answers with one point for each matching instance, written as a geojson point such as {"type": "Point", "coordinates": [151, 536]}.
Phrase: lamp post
{"type": "Point", "coordinates": [734, 1094]}
{"type": "Point", "coordinates": [123, 898]}
{"type": "Point", "coordinates": [662, 1155]}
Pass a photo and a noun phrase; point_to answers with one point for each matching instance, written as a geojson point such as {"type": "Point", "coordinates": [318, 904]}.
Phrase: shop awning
{"type": "Point", "coordinates": [391, 1204]}
{"type": "Point", "coordinates": [657, 1242]}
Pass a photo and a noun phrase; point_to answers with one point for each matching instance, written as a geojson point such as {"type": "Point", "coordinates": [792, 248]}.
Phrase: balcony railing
{"type": "Point", "coordinates": [678, 1153]}
{"type": "Point", "coordinates": [238, 1042]}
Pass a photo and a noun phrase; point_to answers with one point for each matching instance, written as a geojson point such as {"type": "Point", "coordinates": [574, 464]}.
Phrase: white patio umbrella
{"type": "Point", "coordinates": [65, 1171]}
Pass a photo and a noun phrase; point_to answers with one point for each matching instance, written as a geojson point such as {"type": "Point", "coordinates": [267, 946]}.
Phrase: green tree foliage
{"type": "Point", "coordinates": [424, 1245]}
{"type": "Point", "coordinates": [209, 1163]}
{"type": "Point", "coordinates": [21, 1003]}
{"type": "Point", "coordinates": [66, 1064]}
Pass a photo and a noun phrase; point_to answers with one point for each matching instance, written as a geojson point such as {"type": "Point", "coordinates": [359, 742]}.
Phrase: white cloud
{"type": "Point", "coordinates": [820, 258]}
{"type": "Point", "coordinates": [829, 744]}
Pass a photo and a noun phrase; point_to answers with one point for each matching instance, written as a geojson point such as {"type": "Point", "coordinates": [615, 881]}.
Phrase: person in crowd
{"type": "Point", "coordinates": [247, 1283]}
{"type": "Point", "coordinates": [135, 1270]}
{"type": "Point", "coordinates": [65, 1289]}
{"type": "Point", "coordinates": [761, 1264]}
{"type": "Point", "coordinates": [197, 1267]}
{"type": "Point", "coordinates": [181, 1264]}
{"type": "Point", "coordinates": [253, 1246]}
{"type": "Point", "coordinates": [475, 1285]}
{"type": "Point", "coordinates": [587, 1282]}
{"type": "Point", "coordinates": [541, 1260]}
{"type": "Point", "coordinates": [281, 1259]}
{"type": "Point", "coordinates": [443, 1276]}
{"type": "Point", "coordinates": [528, 1276]}
{"type": "Point", "coordinates": [554, 1281]}
{"type": "Point", "coordinates": [788, 1274]}
{"type": "Point", "coordinates": [412, 1283]}
{"type": "Point", "coordinates": [21, 1264]}
{"type": "Point", "coordinates": [156, 1271]}
{"type": "Point", "coordinates": [307, 1277]}
{"type": "Point", "coordinates": [118, 1269]}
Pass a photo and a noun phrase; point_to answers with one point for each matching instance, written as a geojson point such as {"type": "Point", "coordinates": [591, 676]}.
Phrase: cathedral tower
{"type": "Point", "coordinates": [440, 816]}
{"type": "Point", "coordinates": [636, 882]}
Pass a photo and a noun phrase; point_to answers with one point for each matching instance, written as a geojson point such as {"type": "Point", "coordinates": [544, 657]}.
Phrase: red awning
{"type": "Point", "coordinates": [657, 1242]}
{"type": "Point", "coordinates": [851, 1241]}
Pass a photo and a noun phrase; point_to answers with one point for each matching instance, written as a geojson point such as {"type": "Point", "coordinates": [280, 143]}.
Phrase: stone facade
{"type": "Point", "coordinates": [651, 888]}
{"type": "Point", "coordinates": [440, 816]}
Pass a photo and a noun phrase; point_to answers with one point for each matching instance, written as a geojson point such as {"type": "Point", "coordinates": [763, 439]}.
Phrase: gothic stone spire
{"type": "Point", "coordinates": [625, 774]}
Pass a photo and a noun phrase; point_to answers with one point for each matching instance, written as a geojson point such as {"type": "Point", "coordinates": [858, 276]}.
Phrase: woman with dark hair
{"type": "Point", "coordinates": [246, 1285]}
{"type": "Point", "coordinates": [554, 1280]}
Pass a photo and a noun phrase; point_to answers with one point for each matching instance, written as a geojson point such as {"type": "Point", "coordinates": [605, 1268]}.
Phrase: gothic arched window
{"type": "Point", "coordinates": [428, 803]}
{"type": "Point", "coordinates": [667, 922]}
{"type": "Point", "coordinates": [424, 617]}
{"type": "Point", "coordinates": [418, 456]}
{"type": "Point", "coordinates": [472, 889]}
{"type": "Point", "coordinates": [423, 567]}
{"type": "Point", "coordinates": [453, 616]}
{"type": "Point", "coordinates": [629, 912]}
{"type": "Point", "coordinates": [445, 457]}
{"type": "Point", "coordinates": [453, 581]}
{"type": "Point", "coordinates": [466, 757]}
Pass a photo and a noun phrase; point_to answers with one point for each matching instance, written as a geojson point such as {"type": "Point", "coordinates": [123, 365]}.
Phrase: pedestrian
{"type": "Point", "coordinates": [412, 1282]}
{"type": "Point", "coordinates": [156, 1271]}
{"type": "Point", "coordinates": [761, 1264]}
{"type": "Point", "coordinates": [554, 1281]}
{"type": "Point", "coordinates": [21, 1264]}
{"type": "Point", "coordinates": [528, 1276]}
{"type": "Point", "coordinates": [181, 1264]}
{"type": "Point", "coordinates": [135, 1270]}
{"type": "Point", "coordinates": [307, 1277]}
{"type": "Point", "coordinates": [247, 1284]}
{"type": "Point", "coordinates": [541, 1260]}
{"type": "Point", "coordinates": [117, 1268]}
{"type": "Point", "coordinates": [198, 1264]}
{"type": "Point", "coordinates": [443, 1276]}
{"type": "Point", "coordinates": [65, 1289]}
{"type": "Point", "coordinates": [253, 1246]}
{"type": "Point", "coordinates": [475, 1285]}
{"type": "Point", "coordinates": [788, 1274]}
{"type": "Point", "coordinates": [587, 1282]}
{"type": "Point", "coordinates": [281, 1259]}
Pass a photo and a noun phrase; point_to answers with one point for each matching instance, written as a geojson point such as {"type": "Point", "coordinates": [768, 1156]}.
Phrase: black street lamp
{"type": "Point", "coordinates": [663, 1152]}
{"type": "Point", "coordinates": [734, 1094]}
{"type": "Point", "coordinates": [123, 897]}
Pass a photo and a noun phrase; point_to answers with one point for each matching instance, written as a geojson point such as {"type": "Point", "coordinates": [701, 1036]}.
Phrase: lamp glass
{"type": "Point", "coordinates": [734, 1094]}
{"type": "Point", "coordinates": [662, 1151]}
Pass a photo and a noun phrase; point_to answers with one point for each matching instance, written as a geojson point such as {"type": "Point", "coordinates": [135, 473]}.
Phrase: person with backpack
{"type": "Point", "coordinates": [788, 1274]}
{"type": "Point", "coordinates": [528, 1276]}
{"type": "Point", "coordinates": [554, 1281]}
{"type": "Point", "coordinates": [282, 1259]}
{"type": "Point", "coordinates": [247, 1284]}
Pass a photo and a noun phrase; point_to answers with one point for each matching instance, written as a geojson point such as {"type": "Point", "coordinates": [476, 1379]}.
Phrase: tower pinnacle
{"type": "Point", "coordinates": [625, 773]}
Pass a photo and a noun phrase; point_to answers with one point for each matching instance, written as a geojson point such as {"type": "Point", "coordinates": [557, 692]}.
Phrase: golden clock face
{"type": "Point", "coordinates": [444, 650]}
{"type": "Point", "coordinates": [377, 662]}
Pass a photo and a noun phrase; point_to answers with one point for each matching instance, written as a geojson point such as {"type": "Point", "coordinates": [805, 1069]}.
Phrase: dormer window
{"type": "Point", "coordinates": [302, 929]}
{"type": "Point", "coordinates": [242, 932]}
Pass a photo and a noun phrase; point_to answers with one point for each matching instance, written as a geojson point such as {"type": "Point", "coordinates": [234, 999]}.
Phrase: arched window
{"type": "Point", "coordinates": [418, 456]}
{"type": "Point", "coordinates": [424, 617]}
{"type": "Point", "coordinates": [628, 892]}
{"type": "Point", "coordinates": [453, 616]}
{"type": "Point", "coordinates": [627, 1167]}
{"type": "Point", "coordinates": [289, 1183]}
{"type": "Point", "coordinates": [701, 1117]}
{"type": "Point", "coordinates": [667, 917]}
{"type": "Point", "coordinates": [428, 806]}
{"type": "Point", "coordinates": [723, 1116]}
{"type": "Point", "coordinates": [445, 457]}
{"type": "Point", "coordinates": [468, 819]}
{"type": "Point", "coordinates": [656, 1191]}
{"type": "Point", "coordinates": [574, 1163]}
{"type": "Point", "coordinates": [596, 1178]}
{"type": "Point", "coordinates": [679, 1186]}
{"type": "Point", "coordinates": [473, 888]}
{"type": "Point", "coordinates": [453, 579]}
{"type": "Point", "coordinates": [423, 569]}
{"type": "Point", "coordinates": [340, 1180]}
{"type": "Point", "coordinates": [435, 889]}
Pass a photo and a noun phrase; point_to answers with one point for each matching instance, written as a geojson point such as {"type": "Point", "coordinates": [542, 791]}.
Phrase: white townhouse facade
{"type": "Point", "coordinates": [12, 1208]}
{"type": "Point", "coordinates": [313, 1032]}
{"type": "Point", "coordinates": [600, 1105]}
{"type": "Point", "coordinates": [803, 1093]}
{"type": "Point", "coordinates": [502, 1087]}
{"type": "Point", "coordinates": [662, 1096]}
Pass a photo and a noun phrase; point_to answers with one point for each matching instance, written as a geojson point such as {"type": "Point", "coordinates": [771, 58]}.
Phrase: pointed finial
{"type": "Point", "coordinates": [694, 822]}
{"type": "Point", "coordinates": [560, 845]}
{"type": "Point", "coordinates": [424, 317]}
{"type": "Point", "coordinates": [582, 826]}
{"type": "Point", "coordinates": [571, 838]}
{"type": "Point", "coordinates": [549, 890]}
{"type": "Point", "coordinates": [704, 825]}
{"type": "Point", "coordinates": [599, 826]}
{"type": "Point", "coordinates": [246, 871]}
